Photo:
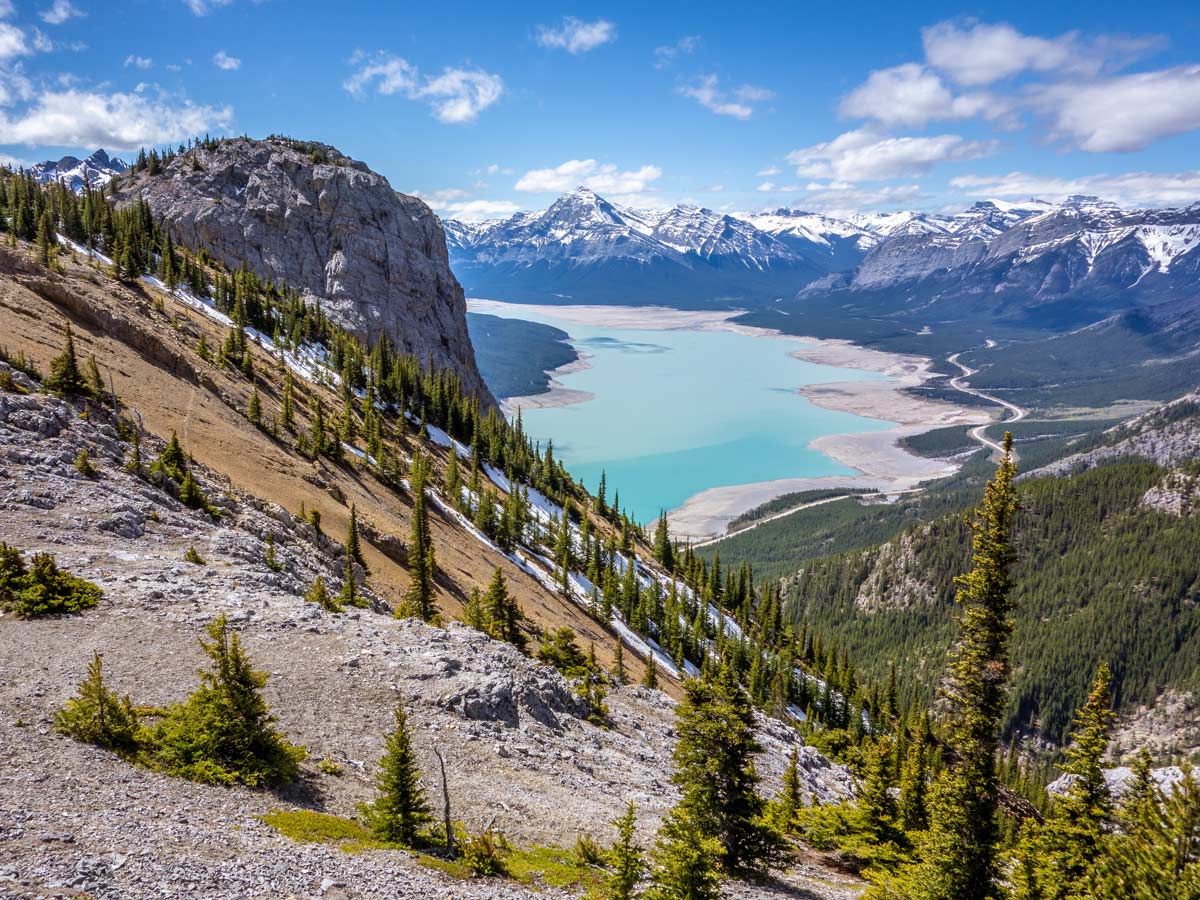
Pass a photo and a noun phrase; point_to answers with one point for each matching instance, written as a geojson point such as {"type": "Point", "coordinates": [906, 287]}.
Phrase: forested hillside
{"type": "Point", "coordinates": [1105, 573]}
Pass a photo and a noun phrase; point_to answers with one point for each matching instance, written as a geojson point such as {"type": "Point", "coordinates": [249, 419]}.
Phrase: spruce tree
{"type": "Point", "coordinates": [318, 593]}
{"type": "Point", "coordinates": [618, 670]}
{"type": "Point", "coordinates": [287, 412]}
{"type": "Point", "coordinates": [400, 810]}
{"type": "Point", "coordinates": [625, 863]}
{"type": "Point", "coordinates": [65, 378]}
{"type": "Point", "coordinates": [503, 613]}
{"type": "Point", "coordinates": [353, 547]}
{"type": "Point", "coordinates": [422, 566]}
{"type": "Point", "coordinates": [914, 788]}
{"type": "Point", "coordinates": [960, 854]}
{"type": "Point", "coordinates": [685, 862]}
{"type": "Point", "coordinates": [172, 462]}
{"type": "Point", "coordinates": [45, 237]}
{"type": "Point", "coordinates": [1060, 859]}
{"type": "Point", "coordinates": [650, 679]}
{"type": "Point", "coordinates": [663, 551]}
{"type": "Point", "coordinates": [98, 716]}
{"type": "Point", "coordinates": [225, 732]}
{"type": "Point", "coordinates": [254, 407]}
{"type": "Point", "coordinates": [789, 802]}
{"type": "Point", "coordinates": [453, 480]}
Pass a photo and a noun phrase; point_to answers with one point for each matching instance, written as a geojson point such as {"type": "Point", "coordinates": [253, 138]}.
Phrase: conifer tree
{"type": "Point", "coordinates": [190, 494]}
{"type": "Point", "coordinates": [65, 378]}
{"type": "Point", "coordinates": [454, 480]}
{"type": "Point", "coordinates": [650, 679]}
{"type": "Point", "coordinates": [45, 237]}
{"type": "Point", "coordinates": [960, 858]}
{"type": "Point", "coordinates": [97, 715]}
{"type": "Point", "coordinates": [93, 376]}
{"type": "Point", "coordinates": [914, 786]}
{"type": "Point", "coordinates": [400, 810]}
{"type": "Point", "coordinates": [353, 547]}
{"type": "Point", "coordinates": [349, 594]}
{"type": "Point", "coordinates": [625, 862]}
{"type": "Point", "coordinates": [503, 612]}
{"type": "Point", "coordinates": [789, 803]}
{"type": "Point", "coordinates": [318, 593]}
{"type": "Point", "coordinates": [1059, 860]}
{"type": "Point", "coordinates": [287, 412]}
{"type": "Point", "coordinates": [172, 462]}
{"type": "Point", "coordinates": [254, 408]}
{"type": "Point", "coordinates": [225, 732]}
{"type": "Point", "coordinates": [663, 551]}
{"type": "Point", "coordinates": [685, 862]}
{"type": "Point", "coordinates": [619, 663]}
{"type": "Point", "coordinates": [269, 557]}
{"type": "Point", "coordinates": [422, 566]}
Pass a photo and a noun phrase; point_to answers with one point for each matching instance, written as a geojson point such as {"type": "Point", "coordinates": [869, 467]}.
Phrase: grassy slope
{"type": "Point", "coordinates": [156, 372]}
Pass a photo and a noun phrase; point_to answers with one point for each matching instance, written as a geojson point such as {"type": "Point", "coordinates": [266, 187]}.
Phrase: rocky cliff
{"type": "Point", "coordinates": [325, 224]}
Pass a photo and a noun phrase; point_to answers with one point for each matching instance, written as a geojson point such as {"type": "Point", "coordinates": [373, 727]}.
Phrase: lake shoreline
{"type": "Point", "coordinates": [877, 456]}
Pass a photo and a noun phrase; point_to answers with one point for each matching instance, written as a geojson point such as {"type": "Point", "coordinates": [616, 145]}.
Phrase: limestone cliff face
{"type": "Point", "coordinates": [329, 227]}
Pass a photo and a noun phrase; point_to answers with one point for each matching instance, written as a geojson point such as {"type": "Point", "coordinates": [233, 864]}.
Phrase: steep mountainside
{"type": "Point", "coordinates": [95, 171]}
{"type": "Point", "coordinates": [325, 225]}
{"type": "Point", "coordinates": [1108, 572]}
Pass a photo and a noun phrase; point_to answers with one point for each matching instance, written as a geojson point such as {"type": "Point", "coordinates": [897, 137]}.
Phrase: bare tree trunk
{"type": "Point", "coordinates": [446, 807]}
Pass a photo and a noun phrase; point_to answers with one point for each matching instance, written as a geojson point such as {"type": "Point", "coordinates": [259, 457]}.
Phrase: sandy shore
{"type": "Point", "coordinates": [876, 455]}
{"type": "Point", "coordinates": [558, 395]}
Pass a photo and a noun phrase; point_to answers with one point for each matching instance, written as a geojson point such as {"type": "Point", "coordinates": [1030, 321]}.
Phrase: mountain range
{"type": "Point", "coordinates": [95, 171]}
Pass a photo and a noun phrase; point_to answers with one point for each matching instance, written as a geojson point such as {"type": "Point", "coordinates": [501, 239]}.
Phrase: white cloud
{"type": "Point", "coordinates": [685, 46]}
{"type": "Point", "coordinates": [12, 42]}
{"type": "Point", "coordinates": [577, 36]}
{"type": "Point", "coordinates": [438, 199]}
{"type": "Point", "coordinates": [140, 62]}
{"type": "Point", "coordinates": [713, 189]}
{"type": "Point", "coordinates": [204, 7]}
{"type": "Point", "coordinates": [604, 179]}
{"type": "Point", "coordinates": [480, 210]}
{"type": "Point", "coordinates": [225, 62]}
{"type": "Point", "coordinates": [864, 155]}
{"type": "Point", "coordinates": [978, 53]}
{"type": "Point", "coordinates": [912, 95]}
{"type": "Point", "coordinates": [768, 171]}
{"type": "Point", "coordinates": [770, 187]}
{"type": "Point", "coordinates": [6, 9]}
{"type": "Point", "coordinates": [117, 121]}
{"type": "Point", "coordinates": [1134, 188]}
{"type": "Point", "coordinates": [60, 11]}
{"type": "Point", "coordinates": [1125, 113]}
{"type": "Point", "coordinates": [456, 96]}
{"type": "Point", "coordinates": [739, 103]}
{"type": "Point", "coordinates": [841, 199]}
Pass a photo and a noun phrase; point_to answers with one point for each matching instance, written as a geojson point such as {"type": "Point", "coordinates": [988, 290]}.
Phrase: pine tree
{"type": "Point", "coordinates": [401, 810]}
{"type": "Point", "coordinates": [353, 547]}
{"type": "Point", "coordinates": [1059, 860]}
{"type": "Point", "coordinates": [503, 613]}
{"type": "Point", "coordinates": [45, 237]}
{"type": "Point", "coordinates": [650, 679]}
{"type": "Point", "coordinates": [914, 788]}
{"type": "Point", "coordinates": [715, 772]}
{"type": "Point", "coordinates": [225, 732]}
{"type": "Point", "coordinates": [269, 557]}
{"type": "Point", "coordinates": [98, 716]}
{"type": "Point", "coordinates": [625, 862]}
{"type": "Point", "coordinates": [349, 594]}
{"type": "Point", "coordinates": [287, 412]}
{"type": "Point", "coordinates": [663, 551]}
{"type": "Point", "coordinates": [93, 376]}
{"type": "Point", "coordinates": [190, 494]}
{"type": "Point", "coordinates": [318, 593]}
{"type": "Point", "coordinates": [686, 861]}
{"type": "Point", "coordinates": [422, 567]}
{"type": "Point", "coordinates": [789, 802]}
{"type": "Point", "coordinates": [172, 462]}
{"type": "Point", "coordinates": [618, 670]}
{"type": "Point", "coordinates": [454, 480]}
{"type": "Point", "coordinates": [960, 858]}
{"type": "Point", "coordinates": [65, 379]}
{"type": "Point", "coordinates": [876, 808]}
{"type": "Point", "coordinates": [254, 407]}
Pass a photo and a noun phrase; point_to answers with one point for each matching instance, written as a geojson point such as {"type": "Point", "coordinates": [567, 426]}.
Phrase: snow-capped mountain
{"type": "Point", "coordinates": [97, 170]}
{"type": "Point", "coordinates": [586, 248]}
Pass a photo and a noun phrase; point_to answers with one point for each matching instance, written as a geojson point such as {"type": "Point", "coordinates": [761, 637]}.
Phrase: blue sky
{"type": "Point", "coordinates": [488, 108]}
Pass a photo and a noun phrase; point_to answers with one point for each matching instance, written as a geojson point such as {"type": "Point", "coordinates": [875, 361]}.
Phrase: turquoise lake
{"type": "Point", "coordinates": [677, 411]}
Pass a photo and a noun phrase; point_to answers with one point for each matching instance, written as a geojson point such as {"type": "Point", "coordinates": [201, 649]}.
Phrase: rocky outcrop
{"type": "Point", "coordinates": [326, 225]}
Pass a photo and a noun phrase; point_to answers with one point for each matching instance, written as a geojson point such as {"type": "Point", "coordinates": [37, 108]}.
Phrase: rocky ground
{"type": "Point", "coordinates": [518, 751]}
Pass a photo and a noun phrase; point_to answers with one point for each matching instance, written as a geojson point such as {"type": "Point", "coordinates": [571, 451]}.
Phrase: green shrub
{"type": "Point", "coordinates": [42, 588]}
{"type": "Point", "coordinates": [194, 557]}
{"type": "Point", "coordinates": [484, 853]}
{"type": "Point", "coordinates": [83, 465]}
{"type": "Point", "coordinates": [590, 853]}
{"type": "Point", "coordinates": [98, 716]}
{"type": "Point", "coordinates": [224, 732]}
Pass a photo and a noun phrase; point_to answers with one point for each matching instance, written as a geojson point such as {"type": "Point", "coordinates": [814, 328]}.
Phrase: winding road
{"type": "Point", "coordinates": [977, 433]}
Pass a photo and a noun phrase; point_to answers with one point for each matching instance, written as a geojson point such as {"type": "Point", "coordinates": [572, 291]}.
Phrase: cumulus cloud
{"type": "Point", "coordinates": [138, 62]}
{"type": "Point", "coordinates": [118, 121]}
{"type": "Point", "coordinates": [685, 46]}
{"type": "Point", "coordinates": [455, 96]}
{"type": "Point", "coordinates": [576, 36]}
{"type": "Point", "coordinates": [1125, 113]}
{"type": "Point", "coordinates": [12, 42]}
{"type": "Point", "coordinates": [603, 178]}
{"type": "Point", "coordinates": [739, 102]}
{"type": "Point", "coordinates": [864, 155]}
{"type": "Point", "coordinates": [225, 62]}
{"type": "Point", "coordinates": [1134, 188]}
{"type": "Point", "coordinates": [842, 199]}
{"type": "Point", "coordinates": [976, 53]}
{"type": "Point", "coordinates": [768, 171]}
{"type": "Point", "coordinates": [60, 11]}
{"type": "Point", "coordinates": [912, 95]}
